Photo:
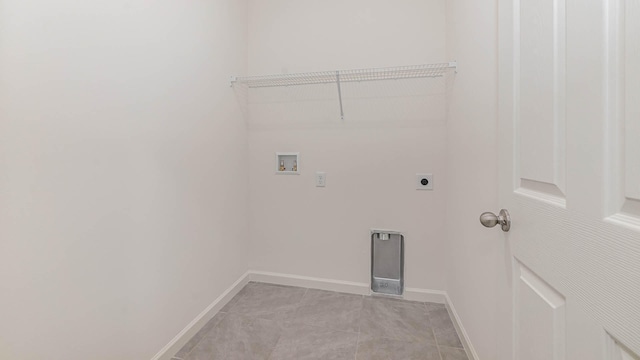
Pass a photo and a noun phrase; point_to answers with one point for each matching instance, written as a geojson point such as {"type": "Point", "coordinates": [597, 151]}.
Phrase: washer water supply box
{"type": "Point", "coordinates": [387, 262]}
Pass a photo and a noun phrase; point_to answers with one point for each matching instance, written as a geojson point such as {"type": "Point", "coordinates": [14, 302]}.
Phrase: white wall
{"type": "Point", "coordinates": [299, 229]}
{"type": "Point", "coordinates": [123, 164]}
{"type": "Point", "coordinates": [122, 172]}
{"type": "Point", "coordinates": [473, 251]}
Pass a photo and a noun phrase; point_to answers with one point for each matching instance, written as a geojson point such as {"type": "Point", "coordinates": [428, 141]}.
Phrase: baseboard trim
{"type": "Point", "coordinates": [310, 282]}
{"type": "Point", "coordinates": [424, 295]}
{"type": "Point", "coordinates": [349, 287]}
{"type": "Point", "coordinates": [201, 320]}
{"type": "Point", "coordinates": [462, 333]}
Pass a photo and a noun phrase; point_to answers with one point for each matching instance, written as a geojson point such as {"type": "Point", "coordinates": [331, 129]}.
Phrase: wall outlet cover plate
{"type": "Point", "coordinates": [424, 181]}
{"type": "Point", "coordinates": [321, 179]}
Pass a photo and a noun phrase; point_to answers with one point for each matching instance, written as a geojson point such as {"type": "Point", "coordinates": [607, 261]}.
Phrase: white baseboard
{"type": "Point", "coordinates": [424, 295]}
{"type": "Point", "coordinates": [310, 282]}
{"type": "Point", "coordinates": [412, 294]}
{"type": "Point", "coordinates": [349, 287]}
{"type": "Point", "coordinates": [462, 333]}
{"type": "Point", "coordinates": [201, 320]}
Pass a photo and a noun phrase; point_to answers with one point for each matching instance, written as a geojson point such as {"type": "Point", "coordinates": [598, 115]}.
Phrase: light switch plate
{"type": "Point", "coordinates": [424, 181]}
{"type": "Point", "coordinates": [321, 179]}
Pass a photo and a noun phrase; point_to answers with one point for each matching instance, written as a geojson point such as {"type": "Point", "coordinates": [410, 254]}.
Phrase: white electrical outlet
{"type": "Point", "coordinates": [321, 179]}
{"type": "Point", "coordinates": [424, 181]}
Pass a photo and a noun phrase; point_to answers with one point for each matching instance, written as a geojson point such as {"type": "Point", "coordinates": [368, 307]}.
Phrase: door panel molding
{"type": "Point", "coordinates": [623, 113]}
{"type": "Point", "coordinates": [539, 100]}
{"type": "Point", "coordinates": [539, 316]}
{"type": "Point", "coordinates": [549, 193]}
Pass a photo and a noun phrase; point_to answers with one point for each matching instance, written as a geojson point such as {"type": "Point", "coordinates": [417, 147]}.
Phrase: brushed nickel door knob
{"type": "Point", "coordinates": [489, 219]}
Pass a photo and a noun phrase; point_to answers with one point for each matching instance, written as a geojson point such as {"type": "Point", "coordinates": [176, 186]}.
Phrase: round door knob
{"type": "Point", "coordinates": [489, 219]}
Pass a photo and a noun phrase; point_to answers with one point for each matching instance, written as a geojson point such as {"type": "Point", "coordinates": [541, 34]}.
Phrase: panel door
{"type": "Point", "coordinates": [569, 107]}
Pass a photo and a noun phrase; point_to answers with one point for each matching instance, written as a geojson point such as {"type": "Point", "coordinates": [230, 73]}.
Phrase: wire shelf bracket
{"type": "Point", "coordinates": [340, 95]}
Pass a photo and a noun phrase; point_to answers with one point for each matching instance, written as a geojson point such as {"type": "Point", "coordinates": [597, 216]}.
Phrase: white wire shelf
{"type": "Point", "coordinates": [338, 76]}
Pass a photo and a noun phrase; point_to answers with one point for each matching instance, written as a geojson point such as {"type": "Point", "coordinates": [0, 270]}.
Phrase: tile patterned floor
{"type": "Point", "coordinates": [272, 322]}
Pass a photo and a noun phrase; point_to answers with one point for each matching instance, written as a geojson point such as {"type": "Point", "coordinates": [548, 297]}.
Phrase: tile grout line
{"type": "Point", "coordinates": [299, 304]}
{"type": "Point", "coordinates": [432, 330]}
{"type": "Point", "coordinates": [357, 346]}
{"type": "Point", "coordinates": [455, 331]}
{"type": "Point", "coordinates": [284, 322]}
{"type": "Point", "coordinates": [275, 345]}
{"type": "Point", "coordinates": [359, 327]}
{"type": "Point", "coordinates": [224, 315]}
{"type": "Point", "coordinates": [327, 328]}
{"type": "Point", "coordinates": [305, 323]}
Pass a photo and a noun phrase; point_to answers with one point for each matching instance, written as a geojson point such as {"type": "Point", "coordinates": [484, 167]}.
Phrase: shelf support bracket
{"type": "Point", "coordinates": [340, 95]}
{"type": "Point", "coordinates": [453, 65]}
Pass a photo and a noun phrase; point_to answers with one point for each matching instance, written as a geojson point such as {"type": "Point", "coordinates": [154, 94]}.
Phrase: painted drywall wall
{"type": "Point", "coordinates": [473, 251]}
{"type": "Point", "coordinates": [122, 172]}
{"type": "Point", "coordinates": [370, 159]}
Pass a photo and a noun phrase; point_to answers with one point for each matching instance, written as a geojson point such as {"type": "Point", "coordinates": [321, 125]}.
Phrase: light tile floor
{"type": "Point", "coordinates": [272, 322]}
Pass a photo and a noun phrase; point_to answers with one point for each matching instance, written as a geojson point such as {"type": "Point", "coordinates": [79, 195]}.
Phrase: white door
{"type": "Point", "coordinates": [569, 130]}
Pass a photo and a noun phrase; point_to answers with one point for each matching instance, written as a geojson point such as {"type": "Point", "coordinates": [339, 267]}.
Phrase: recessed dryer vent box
{"type": "Point", "coordinates": [287, 163]}
{"type": "Point", "coordinates": [387, 262]}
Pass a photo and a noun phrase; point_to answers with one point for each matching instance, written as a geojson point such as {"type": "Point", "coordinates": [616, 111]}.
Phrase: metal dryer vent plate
{"type": "Point", "coordinates": [387, 262]}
